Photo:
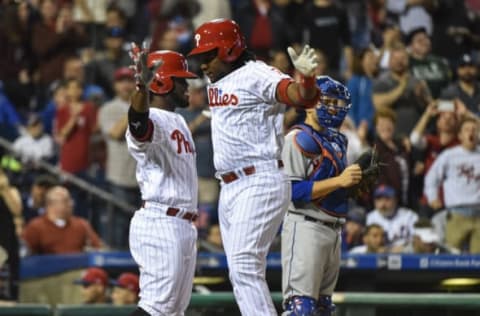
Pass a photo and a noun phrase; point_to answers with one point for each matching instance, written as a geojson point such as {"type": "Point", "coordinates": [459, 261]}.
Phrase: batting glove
{"type": "Point", "coordinates": [143, 75]}
{"type": "Point", "coordinates": [306, 62]}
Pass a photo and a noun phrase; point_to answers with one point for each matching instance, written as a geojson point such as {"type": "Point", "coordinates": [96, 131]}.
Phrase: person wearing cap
{"type": "Point", "coordinates": [94, 284]}
{"type": "Point", "coordinates": [425, 66]}
{"type": "Point", "coordinates": [396, 221]}
{"type": "Point", "coordinates": [354, 227]}
{"type": "Point", "coordinates": [467, 88]}
{"type": "Point", "coordinates": [113, 56]}
{"type": "Point", "coordinates": [34, 145]}
{"type": "Point", "coordinates": [125, 289]}
{"type": "Point", "coordinates": [120, 165]}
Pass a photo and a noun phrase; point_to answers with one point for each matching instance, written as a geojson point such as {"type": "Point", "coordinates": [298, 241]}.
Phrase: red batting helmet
{"type": "Point", "coordinates": [223, 34]}
{"type": "Point", "coordinates": [173, 65]}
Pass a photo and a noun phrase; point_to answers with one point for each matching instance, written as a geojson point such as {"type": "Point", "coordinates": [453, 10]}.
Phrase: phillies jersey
{"type": "Point", "coordinates": [166, 165]}
{"type": "Point", "coordinates": [247, 120]}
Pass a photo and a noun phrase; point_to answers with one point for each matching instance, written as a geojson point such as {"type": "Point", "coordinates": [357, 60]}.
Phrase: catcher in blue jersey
{"type": "Point", "coordinates": [314, 155]}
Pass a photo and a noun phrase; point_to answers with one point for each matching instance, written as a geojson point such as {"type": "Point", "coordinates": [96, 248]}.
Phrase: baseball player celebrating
{"type": "Point", "coordinates": [162, 236]}
{"type": "Point", "coordinates": [315, 161]}
{"type": "Point", "coordinates": [247, 98]}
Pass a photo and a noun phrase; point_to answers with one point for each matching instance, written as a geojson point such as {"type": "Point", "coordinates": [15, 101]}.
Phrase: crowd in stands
{"type": "Point", "coordinates": [411, 67]}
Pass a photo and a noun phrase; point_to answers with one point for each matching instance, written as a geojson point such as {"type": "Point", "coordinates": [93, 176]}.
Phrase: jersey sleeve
{"type": "Point", "coordinates": [295, 163]}
{"type": "Point", "coordinates": [158, 134]}
{"type": "Point", "coordinates": [267, 79]}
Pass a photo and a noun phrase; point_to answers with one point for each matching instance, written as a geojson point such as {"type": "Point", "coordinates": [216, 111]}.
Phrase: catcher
{"type": "Point", "coordinates": [315, 161]}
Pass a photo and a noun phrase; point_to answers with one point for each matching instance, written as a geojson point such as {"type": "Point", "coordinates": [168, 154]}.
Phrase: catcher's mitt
{"type": "Point", "coordinates": [370, 166]}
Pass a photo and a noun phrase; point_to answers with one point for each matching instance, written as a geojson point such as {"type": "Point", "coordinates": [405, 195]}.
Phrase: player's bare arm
{"type": "Point", "coordinates": [304, 93]}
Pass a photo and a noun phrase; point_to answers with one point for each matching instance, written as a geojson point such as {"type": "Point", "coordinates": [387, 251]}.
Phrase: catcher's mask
{"type": "Point", "coordinates": [174, 65]}
{"type": "Point", "coordinates": [334, 102]}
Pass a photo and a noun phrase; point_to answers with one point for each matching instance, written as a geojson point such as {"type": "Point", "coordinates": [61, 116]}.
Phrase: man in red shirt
{"type": "Point", "coordinates": [58, 231]}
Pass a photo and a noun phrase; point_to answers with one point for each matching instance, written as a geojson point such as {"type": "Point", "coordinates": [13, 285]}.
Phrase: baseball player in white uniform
{"type": "Point", "coordinates": [162, 236]}
{"type": "Point", "coordinates": [247, 98]}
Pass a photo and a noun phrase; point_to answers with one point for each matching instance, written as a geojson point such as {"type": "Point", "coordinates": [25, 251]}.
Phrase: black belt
{"type": "Point", "coordinates": [332, 225]}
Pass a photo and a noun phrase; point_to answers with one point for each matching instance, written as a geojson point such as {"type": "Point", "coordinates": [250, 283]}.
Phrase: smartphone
{"type": "Point", "coordinates": [445, 106]}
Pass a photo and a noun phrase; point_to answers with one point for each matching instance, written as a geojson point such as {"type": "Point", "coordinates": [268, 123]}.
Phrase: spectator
{"type": "Point", "coordinates": [326, 18]}
{"type": "Point", "coordinates": [365, 69]}
{"type": "Point", "coordinates": [357, 138]}
{"type": "Point", "coordinates": [10, 226]}
{"type": "Point", "coordinates": [34, 144]}
{"type": "Point", "coordinates": [354, 227]}
{"type": "Point", "coordinates": [260, 20]}
{"type": "Point", "coordinates": [59, 98]}
{"type": "Point", "coordinates": [9, 117]}
{"type": "Point", "coordinates": [58, 231]}
{"type": "Point", "coordinates": [425, 66]}
{"type": "Point", "coordinates": [425, 240]}
{"type": "Point", "coordinates": [16, 56]}
{"type": "Point", "coordinates": [467, 87]}
{"type": "Point", "coordinates": [452, 33]}
{"type": "Point", "coordinates": [393, 153]}
{"type": "Point", "coordinates": [75, 123]}
{"type": "Point", "coordinates": [457, 170]}
{"type": "Point", "coordinates": [94, 284]}
{"type": "Point", "coordinates": [55, 38]}
{"type": "Point", "coordinates": [120, 166]}
{"type": "Point", "coordinates": [412, 14]}
{"type": "Point", "coordinates": [390, 37]}
{"type": "Point", "coordinates": [279, 59]}
{"type": "Point", "coordinates": [212, 9]}
{"type": "Point", "coordinates": [399, 90]}
{"type": "Point", "coordinates": [396, 221]}
{"type": "Point", "coordinates": [199, 125]}
{"type": "Point", "coordinates": [432, 144]}
{"type": "Point", "coordinates": [111, 58]}
{"type": "Point", "coordinates": [125, 289]}
{"type": "Point", "coordinates": [373, 240]}
{"type": "Point", "coordinates": [35, 201]}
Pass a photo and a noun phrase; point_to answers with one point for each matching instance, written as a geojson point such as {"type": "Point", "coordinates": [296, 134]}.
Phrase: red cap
{"type": "Point", "coordinates": [93, 276]}
{"type": "Point", "coordinates": [127, 281]}
{"type": "Point", "coordinates": [124, 73]}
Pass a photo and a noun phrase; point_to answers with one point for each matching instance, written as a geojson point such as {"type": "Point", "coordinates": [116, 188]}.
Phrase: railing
{"type": "Point", "coordinates": [348, 303]}
{"type": "Point", "coordinates": [112, 203]}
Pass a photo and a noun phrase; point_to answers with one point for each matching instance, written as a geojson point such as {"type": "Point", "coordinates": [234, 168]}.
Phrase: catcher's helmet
{"type": "Point", "coordinates": [332, 95]}
{"type": "Point", "coordinates": [221, 34]}
{"type": "Point", "coordinates": [173, 65]}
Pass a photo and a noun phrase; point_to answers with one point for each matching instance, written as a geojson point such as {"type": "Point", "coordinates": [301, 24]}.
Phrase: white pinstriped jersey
{"type": "Point", "coordinates": [166, 168]}
{"type": "Point", "coordinates": [247, 120]}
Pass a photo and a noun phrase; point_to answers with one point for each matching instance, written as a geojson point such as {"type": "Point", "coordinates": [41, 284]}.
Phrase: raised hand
{"type": "Point", "coordinates": [305, 62]}
{"type": "Point", "coordinates": [144, 75]}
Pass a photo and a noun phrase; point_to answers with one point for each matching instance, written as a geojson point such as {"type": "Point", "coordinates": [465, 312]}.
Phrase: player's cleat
{"type": "Point", "coordinates": [301, 306]}
{"type": "Point", "coordinates": [326, 306]}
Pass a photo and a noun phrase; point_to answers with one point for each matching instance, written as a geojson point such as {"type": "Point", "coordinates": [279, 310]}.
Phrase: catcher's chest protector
{"type": "Point", "coordinates": [327, 154]}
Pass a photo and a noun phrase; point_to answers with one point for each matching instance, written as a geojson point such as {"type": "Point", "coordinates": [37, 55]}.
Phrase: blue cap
{"type": "Point", "coordinates": [384, 191]}
{"type": "Point", "coordinates": [115, 32]}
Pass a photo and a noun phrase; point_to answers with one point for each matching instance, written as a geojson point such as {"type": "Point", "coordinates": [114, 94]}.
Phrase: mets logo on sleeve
{"type": "Point", "coordinates": [216, 97]}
